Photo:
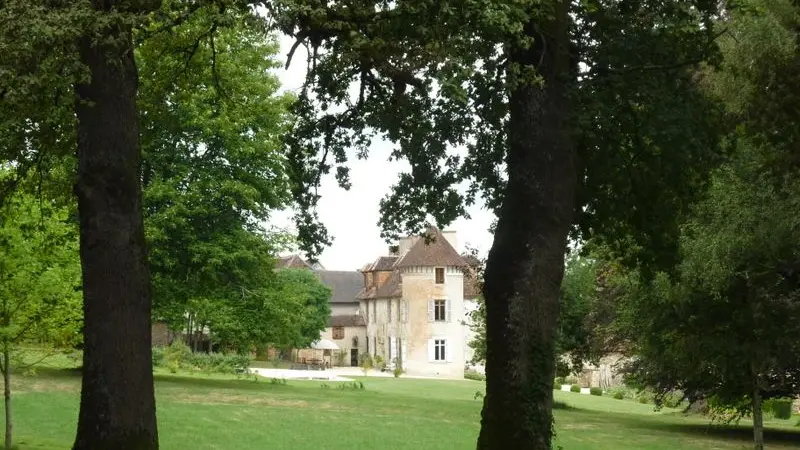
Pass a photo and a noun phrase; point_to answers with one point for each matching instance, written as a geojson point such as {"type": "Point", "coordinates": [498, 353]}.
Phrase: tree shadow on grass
{"type": "Point", "coordinates": [730, 432]}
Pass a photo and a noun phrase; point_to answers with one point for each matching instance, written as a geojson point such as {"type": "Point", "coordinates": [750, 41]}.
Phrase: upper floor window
{"type": "Point", "coordinates": [389, 310]}
{"type": "Point", "coordinates": [439, 310]}
{"type": "Point", "coordinates": [439, 271]}
{"type": "Point", "coordinates": [338, 332]}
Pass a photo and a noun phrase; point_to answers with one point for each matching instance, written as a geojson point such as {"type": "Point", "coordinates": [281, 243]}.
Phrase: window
{"type": "Point", "coordinates": [439, 275]}
{"type": "Point", "coordinates": [440, 310]}
{"type": "Point", "coordinates": [403, 311]}
{"type": "Point", "coordinates": [389, 310]}
{"type": "Point", "coordinates": [338, 332]}
{"type": "Point", "coordinates": [366, 311]}
{"type": "Point", "coordinates": [374, 310]}
{"type": "Point", "coordinates": [439, 346]}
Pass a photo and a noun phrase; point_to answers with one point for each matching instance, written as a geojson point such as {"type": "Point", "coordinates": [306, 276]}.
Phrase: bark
{"type": "Point", "coordinates": [758, 420]}
{"type": "Point", "coordinates": [526, 263]}
{"type": "Point", "coordinates": [117, 409]}
{"type": "Point", "coordinates": [7, 395]}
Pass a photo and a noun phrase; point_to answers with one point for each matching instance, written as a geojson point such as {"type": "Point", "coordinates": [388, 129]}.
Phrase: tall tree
{"type": "Point", "coordinates": [213, 166]}
{"type": "Point", "coordinates": [519, 86]}
{"type": "Point", "coordinates": [726, 325]}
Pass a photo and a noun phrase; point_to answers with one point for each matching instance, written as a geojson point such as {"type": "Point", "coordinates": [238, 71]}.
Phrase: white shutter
{"type": "Point", "coordinates": [448, 354]}
{"type": "Point", "coordinates": [430, 310]}
{"type": "Point", "coordinates": [405, 308]}
{"type": "Point", "coordinates": [447, 309]}
{"type": "Point", "coordinates": [403, 351]}
{"type": "Point", "coordinates": [431, 350]}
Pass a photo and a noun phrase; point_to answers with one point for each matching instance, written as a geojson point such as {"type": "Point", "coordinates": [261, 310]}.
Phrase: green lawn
{"type": "Point", "coordinates": [200, 412]}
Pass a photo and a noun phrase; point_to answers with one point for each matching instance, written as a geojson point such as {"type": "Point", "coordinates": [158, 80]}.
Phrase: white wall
{"type": "Point", "coordinates": [344, 309]}
{"type": "Point", "coordinates": [418, 288]}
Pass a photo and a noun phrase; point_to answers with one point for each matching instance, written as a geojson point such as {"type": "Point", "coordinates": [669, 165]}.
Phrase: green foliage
{"type": "Point", "coordinates": [618, 395]}
{"type": "Point", "coordinates": [596, 391]}
{"type": "Point", "coordinates": [397, 371]}
{"type": "Point", "coordinates": [365, 362]}
{"type": "Point", "coordinates": [644, 399]}
{"type": "Point", "coordinates": [779, 408]}
{"type": "Point", "coordinates": [570, 380]}
{"type": "Point", "coordinates": [575, 388]}
{"type": "Point", "coordinates": [559, 381]}
{"type": "Point", "coordinates": [671, 400]}
{"type": "Point", "coordinates": [379, 363]}
{"type": "Point", "coordinates": [211, 120]}
{"type": "Point", "coordinates": [40, 296]}
{"type": "Point", "coordinates": [179, 356]}
{"type": "Point", "coordinates": [473, 375]}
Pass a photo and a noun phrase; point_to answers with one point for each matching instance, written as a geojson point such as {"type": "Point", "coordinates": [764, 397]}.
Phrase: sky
{"type": "Point", "coordinates": [352, 216]}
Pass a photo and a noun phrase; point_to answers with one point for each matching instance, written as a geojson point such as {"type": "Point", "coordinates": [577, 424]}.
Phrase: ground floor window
{"type": "Point", "coordinates": [439, 348]}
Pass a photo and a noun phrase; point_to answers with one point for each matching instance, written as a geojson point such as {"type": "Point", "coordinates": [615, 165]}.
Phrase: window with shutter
{"type": "Point", "coordinates": [447, 310]}
{"type": "Point", "coordinates": [440, 313]}
{"type": "Point", "coordinates": [338, 333]}
{"type": "Point", "coordinates": [389, 310]}
{"type": "Point", "coordinates": [430, 310]}
{"type": "Point", "coordinates": [430, 350]}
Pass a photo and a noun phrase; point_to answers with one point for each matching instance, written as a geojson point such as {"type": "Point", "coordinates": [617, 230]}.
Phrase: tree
{"type": "Point", "coordinates": [212, 170]}
{"type": "Point", "coordinates": [39, 284]}
{"type": "Point", "coordinates": [504, 81]}
{"type": "Point", "coordinates": [725, 326]}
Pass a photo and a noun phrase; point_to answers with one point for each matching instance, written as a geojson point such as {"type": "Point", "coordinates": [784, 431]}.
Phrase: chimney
{"type": "Point", "coordinates": [451, 237]}
{"type": "Point", "coordinates": [406, 243]}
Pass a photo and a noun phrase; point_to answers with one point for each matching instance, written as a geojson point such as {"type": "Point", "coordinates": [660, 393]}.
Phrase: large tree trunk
{"type": "Point", "coordinates": [117, 409]}
{"type": "Point", "coordinates": [526, 262]}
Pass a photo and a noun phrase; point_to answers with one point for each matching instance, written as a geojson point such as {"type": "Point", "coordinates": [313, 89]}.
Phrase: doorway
{"type": "Point", "coordinates": [353, 357]}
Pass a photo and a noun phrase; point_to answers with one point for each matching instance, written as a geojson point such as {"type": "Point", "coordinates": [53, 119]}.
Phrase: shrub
{"type": "Point", "coordinates": [570, 380]}
{"type": "Point", "coordinates": [619, 395]}
{"type": "Point", "coordinates": [780, 408]}
{"type": "Point", "coordinates": [379, 363]}
{"type": "Point", "coordinates": [644, 399]}
{"type": "Point", "coordinates": [575, 388]}
{"type": "Point", "coordinates": [473, 375]}
{"type": "Point", "coordinates": [158, 356]}
{"type": "Point", "coordinates": [397, 371]}
{"type": "Point", "coordinates": [596, 391]}
{"type": "Point", "coordinates": [559, 381]}
{"type": "Point", "coordinates": [672, 400]}
{"type": "Point", "coordinates": [365, 362]}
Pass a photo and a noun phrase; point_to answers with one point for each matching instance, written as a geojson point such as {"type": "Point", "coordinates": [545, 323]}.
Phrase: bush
{"type": "Point", "coordinates": [379, 363]}
{"type": "Point", "coordinates": [618, 395]}
{"type": "Point", "coordinates": [365, 362]}
{"type": "Point", "coordinates": [473, 375]}
{"type": "Point", "coordinates": [672, 400]}
{"type": "Point", "coordinates": [780, 408]}
{"type": "Point", "coordinates": [158, 356]}
{"type": "Point", "coordinates": [178, 356]}
{"type": "Point", "coordinates": [570, 380]}
{"type": "Point", "coordinates": [397, 371]}
{"type": "Point", "coordinates": [559, 381]}
{"type": "Point", "coordinates": [596, 391]}
{"type": "Point", "coordinates": [644, 399]}
{"type": "Point", "coordinates": [575, 388]}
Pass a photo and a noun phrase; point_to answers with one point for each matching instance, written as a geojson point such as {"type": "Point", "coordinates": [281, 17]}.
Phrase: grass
{"type": "Point", "coordinates": [221, 412]}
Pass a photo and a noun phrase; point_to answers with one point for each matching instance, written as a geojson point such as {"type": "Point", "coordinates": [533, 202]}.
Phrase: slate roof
{"type": "Point", "coordinates": [345, 284]}
{"type": "Point", "coordinates": [346, 321]}
{"type": "Point", "coordinates": [437, 251]}
{"type": "Point", "coordinates": [383, 263]}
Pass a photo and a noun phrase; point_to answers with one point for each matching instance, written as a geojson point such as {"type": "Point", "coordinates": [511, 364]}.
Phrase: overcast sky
{"type": "Point", "coordinates": [352, 216]}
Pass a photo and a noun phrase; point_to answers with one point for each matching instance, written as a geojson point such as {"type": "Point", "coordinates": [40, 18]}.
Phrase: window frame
{"type": "Point", "coordinates": [437, 302]}
{"type": "Point", "coordinates": [440, 350]}
{"type": "Point", "coordinates": [337, 331]}
{"type": "Point", "coordinates": [436, 272]}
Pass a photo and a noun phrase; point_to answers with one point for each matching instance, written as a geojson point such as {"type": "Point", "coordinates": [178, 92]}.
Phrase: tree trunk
{"type": "Point", "coordinates": [758, 420]}
{"type": "Point", "coordinates": [117, 409]}
{"type": "Point", "coordinates": [526, 263]}
{"type": "Point", "coordinates": [7, 395]}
